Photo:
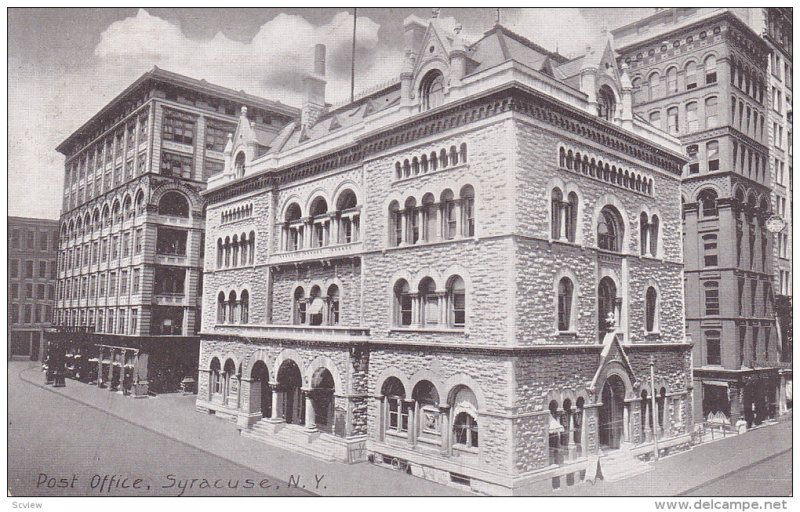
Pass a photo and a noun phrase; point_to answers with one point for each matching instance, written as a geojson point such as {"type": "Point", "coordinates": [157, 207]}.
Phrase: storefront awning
{"type": "Point", "coordinates": [555, 426]}
{"type": "Point", "coordinates": [92, 359]}
{"type": "Point", "coordinates": [722, 383]}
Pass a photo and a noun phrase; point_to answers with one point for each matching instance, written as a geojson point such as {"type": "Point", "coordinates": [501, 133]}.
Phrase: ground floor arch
{"type": "Point", "coordinates": [290, 382]}
{"type": "Point", "coordinates": [260, 388]}
{"type": "Point", "coordinates": [612, 412]}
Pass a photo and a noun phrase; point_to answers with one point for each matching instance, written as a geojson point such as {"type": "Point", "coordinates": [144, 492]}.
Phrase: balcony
{"type": "Point", "coordinates": [297, 332]}
{"type": "Point", "coordinates": [318, 253]}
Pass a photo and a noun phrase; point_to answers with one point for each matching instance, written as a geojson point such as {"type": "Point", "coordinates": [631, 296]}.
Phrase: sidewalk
{"type": "Point", "coordinates": [678, 474]}
{"type": "Point", "coordinates": [174, 416]}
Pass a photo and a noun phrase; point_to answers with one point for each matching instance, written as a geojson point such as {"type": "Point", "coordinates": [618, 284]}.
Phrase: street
{"type": "Point", "coordinates": [58, 447]}
{"type": "Point", "coordinates": [772, 477]}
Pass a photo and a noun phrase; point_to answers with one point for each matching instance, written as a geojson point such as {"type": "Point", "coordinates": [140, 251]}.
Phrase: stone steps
{"type": "Point", "coordinates": [621, 464]}
{"type": "Point", "coordinates": [293, 438]}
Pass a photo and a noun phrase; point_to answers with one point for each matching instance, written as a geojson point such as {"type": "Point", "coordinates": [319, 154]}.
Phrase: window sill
{"type": "Point", "coordinates": [443, 330]}
{"type": "Point", "coordinates": [424, 243]}
{"type": "Point", "coordinates": [465, 449]}
{"type": "Point", "coordinates": [396, 434]}
{"type": "Point", "coordinates": [567, 334]}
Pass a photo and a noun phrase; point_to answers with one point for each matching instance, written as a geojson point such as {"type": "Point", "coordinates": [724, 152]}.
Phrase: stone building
{"type": "Point", "coordinates": [31, 283]}
{"type": "Point", "coordinates": [702, 76]}
{"type": "Point", "coordinates": [132, 230]}
{"type": "Point", "coordinates": [465, 274]}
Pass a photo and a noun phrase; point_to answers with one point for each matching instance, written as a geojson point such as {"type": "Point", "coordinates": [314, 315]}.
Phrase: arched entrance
{"type": "Point", "coordinates": [290, 381]}
{"type": "Point", "coordinates": [612, 412]}
{"type": "Point", "coordinates": [322, 399]}
{"type": "Point", "coordinates": [260, 384]}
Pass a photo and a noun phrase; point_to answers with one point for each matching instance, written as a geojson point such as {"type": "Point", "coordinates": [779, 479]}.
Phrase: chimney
{"type": "Point", "coordinates": [314, 90]}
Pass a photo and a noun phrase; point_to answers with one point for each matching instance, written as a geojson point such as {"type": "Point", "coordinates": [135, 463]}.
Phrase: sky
{"type": "Point", "coordinates": [65, 64]}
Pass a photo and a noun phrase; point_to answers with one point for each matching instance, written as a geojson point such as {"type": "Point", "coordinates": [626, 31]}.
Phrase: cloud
{"type": "Point", "coordinates": [564, 29]}
{"type": "Point", "coordinates": [271, 64]}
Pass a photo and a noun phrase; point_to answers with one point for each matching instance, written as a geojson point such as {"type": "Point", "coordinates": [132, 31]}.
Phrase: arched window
{"type": "Point", "coordinates": [403, 304]}
{"type": "Point", "coordinates": [565, 303]}
{"type": "Point", "coordinates": [221, 306]}
{"type": "Point", "coordinates": [672, 80]}
{"type": "Point", "coordinates": [650, 321]}
{"type": "Point", "coordinates": [606, 105]}
{"type": "Point", "coordinates": [672, 120]}
{"type": "Point", "coordinates": [571, 216]}
{"type": "Point", "coordinates": [429, 302]}
{"type": "Point", "coordinates": [708, 203]}
{"type": "Point", "coordinates": [608, 306]}
{"type": "Point", "coordinates": [173, 204]}
{"type": "Point", "coordinates": [711, 112]}
{"type": "Point", "coordinates": [251, 241]}
{"type": "Point", "coordinates": [395, 224]}
{"type": "Point", "coordinates": [233, 308]}
{"type": "Point", "coordinates": [465, 430]}
{"type": "Point", "coordinates": [655, 85]}
{"type": "Point", "coordinates": [710, 251]}
{"type": "Point", "coordinates": [397, 407]}
{"type": "Point", "coordinates": [692, 124]}
{"type": "Point", "coordinates": [711, 289]}
{"type": "Point", "coordinates": [238, 166]}
{"type": "Point", "coordinates": [691, 76]}
{"type": "Point", "coordinates": [348, 217]}
{"type": "Point", "coordinates": [556, 201]}
{"type": "Point", "coordinates": [299, 306]}
{"type": "Point", "coordinates": [427, 398]}
{"type": "Point", "coordinates": [449, 217]}
{"type": "Point", "coordinates": [429, 217]}
{"type": "Point", "coordinates": [293, 228]}
{"type": "Point", "coordinates": [655, 119]}
{"type": "Point", "coordinates": [432, 90]}
{"type": "Point", "coordinates": [216, 383]}
{"type": "Point", "coordinates": [610, 229]}
{"type": "Point", "coordinates": [244, 314]}
{"type": "Point", "coordinates": [457, 302]}
{"type": "Point", "coordinates": [654, 235]}
{"type": "Point", "coordinates": [333, 305]}
{"type": "Point", "coordinates": [235, 251]}
{"type": "Point", "coordinates": [467, 210]}
{"type": "Point", "coordinates": [711, 70]}
{"type": "Point", "coordinates": [412, 221]}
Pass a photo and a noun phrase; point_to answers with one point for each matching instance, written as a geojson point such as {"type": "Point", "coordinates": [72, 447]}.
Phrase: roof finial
{"type": "Point", "coordinates": [435, 12]}
{"type": "Point", "coordinates": [497, 16]}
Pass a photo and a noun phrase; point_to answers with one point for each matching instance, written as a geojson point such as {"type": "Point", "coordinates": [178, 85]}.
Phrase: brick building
{"type": "Point", "coordinates": [132, 229]}
{"type": "Point", "coordinates": [465, 274]}
{"type": "Point", "coordinates": [702, 76]}
{"type": "Point", "coordinates": [31, 283]}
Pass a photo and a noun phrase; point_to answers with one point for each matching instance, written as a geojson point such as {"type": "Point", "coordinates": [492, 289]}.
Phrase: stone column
{"type": "Point", "coordinates": [412, 416]}
{"type": "Point", "coordinates": [444, 421]}
{"type": "Point", "coordinates": [381, 416]}
{"type": "Point", "coordinates": [277, 403]}
{"type": "Point", "coordinates": [572, 450]}
{"type": "Point", "coordinates": [626, 427]}
{"type": "Point", "coordinates": [416, 306]}
{"type": "Point", "coordinates": [403, 228]}
{"type": "Point", "coordinates": [441, 298]}
{"type": "Point", "coordinates": [781, 394]}
{"type": "Point", "coordinates": [310, 417]}
{"type": "Point", "coordinates": [420, 224]}
{"type": "Point", "coordinates": [335, 228]}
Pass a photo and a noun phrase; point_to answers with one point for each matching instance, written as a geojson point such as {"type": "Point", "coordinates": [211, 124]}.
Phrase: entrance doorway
{"type": "Point", "coordinates": [290, 382]}
{"type": "Point", "coordinates": [612, 412]}
{"type": "Point", "coordinates": [322, 397]}
{"type": "Point", "coordinates": [260, 381]}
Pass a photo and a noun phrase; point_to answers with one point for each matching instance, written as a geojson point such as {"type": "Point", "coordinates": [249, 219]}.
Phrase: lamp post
{"type": "Point", "coordinates": [653, 405]}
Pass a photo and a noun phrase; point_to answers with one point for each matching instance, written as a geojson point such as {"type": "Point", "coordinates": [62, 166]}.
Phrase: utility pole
{"type": "Point", "coordinates": [653, 411]}
{"type": "Point", "coordinates": [353, 59]}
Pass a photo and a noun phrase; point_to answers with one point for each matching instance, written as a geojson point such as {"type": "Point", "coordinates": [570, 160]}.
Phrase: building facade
{"type": "Point", "coordinates": [702, 75]}
{"type": "Point", "coordinates": [32, 245]}
{"type": "Point", "coordinates": [132, 230]}
{"type": "Point", "coordinates": [467, 274]}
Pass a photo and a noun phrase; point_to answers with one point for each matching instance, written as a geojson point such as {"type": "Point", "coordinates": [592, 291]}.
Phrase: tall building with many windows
{"type": "Point", "coordinates": [32, 245]}
{"type": "Point", "coordinates": [130, 286]}
{"type": "Point", "coordinates": [468, 274]}
{"type": "Point", "coordinates": [702, 75]}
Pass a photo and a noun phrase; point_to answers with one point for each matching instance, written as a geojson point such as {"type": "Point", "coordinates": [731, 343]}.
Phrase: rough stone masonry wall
{"type": "Point", "coordinates": [351, 376]}
{"type": "Point", "coordinates": [488, 376]}
{"type": "Point", "coordinates": [255, 277]}
{"type": "Point", "coordinates": [541, 261]}
{"type": "Point", "coordinates": [346, 274]}
{"type": "Point", "coordinates": [483, 262]}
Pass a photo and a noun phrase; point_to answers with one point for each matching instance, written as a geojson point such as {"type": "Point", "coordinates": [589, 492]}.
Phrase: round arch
{"type": "Point", "coordinates": [326, 363]}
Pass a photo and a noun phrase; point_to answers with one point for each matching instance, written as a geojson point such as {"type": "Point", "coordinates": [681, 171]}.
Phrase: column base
{"type": "Point", "coordinates": [310, 429]}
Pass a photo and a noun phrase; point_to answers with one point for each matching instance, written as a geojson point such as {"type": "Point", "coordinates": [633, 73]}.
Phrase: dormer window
{"type": "Point", "coordinates": [239, 165]}
{"type": "Point", "coordinates": [432, 90]}
{"type": "Point", "coordinates": [605, 103]}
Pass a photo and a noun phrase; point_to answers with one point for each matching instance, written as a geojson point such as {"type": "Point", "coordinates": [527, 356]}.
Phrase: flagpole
{"type": "Point", "coordinates": [353, 59]}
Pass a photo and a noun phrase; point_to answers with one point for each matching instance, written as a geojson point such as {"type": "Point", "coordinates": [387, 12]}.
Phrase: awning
{"type": "Point", "coordinates": [92, 359]}
{"type": "Point", "coordinates": [555, 426]}
{"type": "Point", "coordinates": [316, 307]}
{"type": "Point", "coordinates": [722, 383]}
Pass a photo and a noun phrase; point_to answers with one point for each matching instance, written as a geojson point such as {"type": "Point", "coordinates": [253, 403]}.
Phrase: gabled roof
{"type": "Point", "coordinates": [500, 45]}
